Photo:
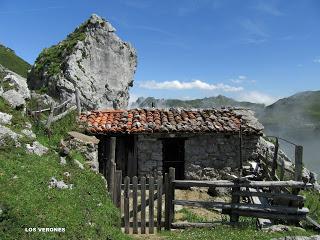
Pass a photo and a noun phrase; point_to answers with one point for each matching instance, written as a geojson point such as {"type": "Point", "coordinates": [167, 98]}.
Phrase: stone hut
{"type": "Point", "coordinates": [195, 142]}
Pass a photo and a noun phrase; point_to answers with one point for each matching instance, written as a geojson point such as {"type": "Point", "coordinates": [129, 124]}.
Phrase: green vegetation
{"type": "Point", "coordinates": [313, 203]}
{"type": "Point", "coordinates": [52, 59]}
{"type": "Point", "coordinates": [245, 230]}
{"type": "Point", "coordinates": [85, 211]}
{"type": "Point", "coordinates": [10, 60]}
{"type": "Point", "coordinates": [190, 216]}
{"type": "Point", "coordinates": [18, 121]}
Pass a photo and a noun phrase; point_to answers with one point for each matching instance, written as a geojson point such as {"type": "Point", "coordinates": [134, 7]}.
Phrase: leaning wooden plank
{"type": "Point", "coordinates": [271, 195]}
{"type": "Point", "coordinates": [226, 183]}
{"type": "Point", "coordinates": [242, 206]}
{"type": "Point", "coordinates": [151, 205]}
{"type": "Point", "coordinates": [171, 190]}
{"type": "Point", "coordinates": [135, 204]}
{"type": "Point", "coordinates": [313, 222]}
{"type": "Point", "coordinates": [62, 115]}
{"type": "Point", "coordinates": [50, 118]}
{"type": "Point", "coordinates": [183, 225]}
{"type": "Point", "coordinates": [143, 205]}
{"type": "Point", "coordinates": [283, 216]}
{"type": "Point", "coordinates": [262, 222]}
{"type": "Point", "coordinates": [126, 204]}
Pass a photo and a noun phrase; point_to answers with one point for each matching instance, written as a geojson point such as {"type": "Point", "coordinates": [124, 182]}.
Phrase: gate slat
{"type": "Point", "coordinates": [151, 205]}
{"type": "Point", "coordinates": [143, 205]}
{"type": "Point", "coordinates": [126, 204]}
{"type": "Point", "coordinates": [135, 204]}
{"type": "Point", "coordinates": [159, 206]}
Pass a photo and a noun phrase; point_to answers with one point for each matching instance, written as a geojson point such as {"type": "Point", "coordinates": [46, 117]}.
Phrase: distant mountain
{"type": "Point", "coordinates": [301, 110]}
{"type": "Point", "coordinates": [208, 102]}
{"type": "Point", "coordinates": [11, 61]}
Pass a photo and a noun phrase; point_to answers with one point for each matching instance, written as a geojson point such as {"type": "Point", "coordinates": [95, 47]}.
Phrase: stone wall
{"type": "Point", "coordinates": [206, 157]}
{"type": "Point", "coordinates": [149, 155]}
{"type": "Point", "coordinates": [209, 157]}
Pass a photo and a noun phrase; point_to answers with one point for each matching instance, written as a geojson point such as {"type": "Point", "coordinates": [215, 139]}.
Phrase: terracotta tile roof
{"type": "Point", "coordinates": [170, 121]}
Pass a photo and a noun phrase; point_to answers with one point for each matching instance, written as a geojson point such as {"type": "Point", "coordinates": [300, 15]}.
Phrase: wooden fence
{"type": "Point", "coordinates": [54, 109]}
{"type": "Point", "coordinates": [156, 196]}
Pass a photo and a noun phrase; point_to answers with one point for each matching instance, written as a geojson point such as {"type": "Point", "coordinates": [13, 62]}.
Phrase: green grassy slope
{"type": "Point", "coordinates": [86, 211]}
{"type": "Point", "coordinates": [10, 60]}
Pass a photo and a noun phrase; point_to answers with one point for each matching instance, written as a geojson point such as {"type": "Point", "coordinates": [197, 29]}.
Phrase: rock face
{"type": "Point", "coordinates": [94, 59]}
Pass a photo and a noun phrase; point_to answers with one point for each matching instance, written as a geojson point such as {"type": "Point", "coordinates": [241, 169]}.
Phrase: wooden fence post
{"type": "Point", "coordinates": [49, 120]}
{"type": "Point", "coordinates": [159, 203]}
{"type": "Point", "coordinates": [126, 202]}
{"type": "Point", "coordinates": [143, 205]}
{"type": "Point", "coordinates": [117, 188]}
{"type": "Point", "coordinates": [170, 193]}
{"type": "Point", "coordinates": [274, 160]}
{"type": "Point", "coordinates": [298, 163]}
{"type": "Point", "coordinates": [151, 205]}
{"type": "Point", "coordinates": [166, 210]}
{"type": "Point", "coordinates": [78, 102]}
{"type": "Point", "coordinates": [234, 218]}
{"type": "Point", "coordinates": [135, 204]}
{"type": "Point", "coordinates": [282, 171]}
{"type": "Point", "coordinates": [111, 164]}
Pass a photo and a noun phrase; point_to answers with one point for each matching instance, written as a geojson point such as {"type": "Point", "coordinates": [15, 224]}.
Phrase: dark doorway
{"type": "Point", "coordinates": [173, 155]}
{"type": "Point", "coordinates": [125, 155]}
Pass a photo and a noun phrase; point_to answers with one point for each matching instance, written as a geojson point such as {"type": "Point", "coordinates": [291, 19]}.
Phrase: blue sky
{"type": "Point", "coordinates": [249, 50]}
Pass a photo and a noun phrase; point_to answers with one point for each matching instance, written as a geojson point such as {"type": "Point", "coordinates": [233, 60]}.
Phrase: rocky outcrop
{"type": "Point", "coordinates": [94, 60]}
{"type": "Point", "coordinates": [13, 88]}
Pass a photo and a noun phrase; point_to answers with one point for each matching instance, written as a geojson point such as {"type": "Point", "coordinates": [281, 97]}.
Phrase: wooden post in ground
{"type": "Point", "coordinates": [126, 202]}
{"type": "Point", "coordinates": [171, 188]}
{"type": "Point", "coordinates": [117, 189]}
{"type": "Point", "coordinates": [151, 205]}
{"type": "Point", "coordinates": [111, 164]}
{"type": "Point", "coordinates": [282, 170]}
{"type": "Point", "coordinates": [298, 163]}
{"type": "Point", "coordinates": [159, 203]}
{"type": "Point", "coordinates": [135, 204]}
{"type": "Point", "coordinates": [78, 102]}
{"type": "Point", "coordinates": [49, 120]}
{"type": "Point", "coordinates": [234, 218]}
{"type": "Point", "coordinates": [274, 160]}
{"type": "Point", "coordinates": [166, 210]}
{"type": "Point", "coordinates": [240, 152]}
{"type": "Point", "coordinates": [143, 205]}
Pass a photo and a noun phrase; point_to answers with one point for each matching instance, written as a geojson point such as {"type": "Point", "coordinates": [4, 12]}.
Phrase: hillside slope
{"type": "Point", "coordinates": [11, 61]}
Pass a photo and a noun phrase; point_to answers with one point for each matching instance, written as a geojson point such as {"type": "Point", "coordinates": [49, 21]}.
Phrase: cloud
{"type": "Point", "coordinates": [254, 31]}
{"type": "Point", "coordinates": [316, 60]}
{"type": "Point", "coordinates": [195, 84]}
{"type": "Point", "coordinates": [257, 97]}
{"type": "Point", "coordinates": [242, 79]}
{"type": "Point", "coordinates": [268, 8]}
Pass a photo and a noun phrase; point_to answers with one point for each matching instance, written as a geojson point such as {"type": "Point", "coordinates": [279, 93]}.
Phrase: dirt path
{"type": "Point", "coordinates": [148, 237]}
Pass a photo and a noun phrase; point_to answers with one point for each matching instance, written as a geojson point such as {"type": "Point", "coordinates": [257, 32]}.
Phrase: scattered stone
{"type": "Point", "coordinates": [315, 237]}
{"type": "Point", "coordinates": [7, 137]}
{"type": "Point", "coordinates": [67, 174]}
{"type": "Point", "coordinates": [37, 148]}
{"type": "Point", "coordinates": [63, 161]}
{"type": "Point", "coordinates": [28, 133]}
{"type": "Point", "coordinates": [277, 228]}
{"type": "Point", "coordinates": [28, 125]}
{"type": "Point", "coordinates": [14, 98]}
{"type": "Point", "coordinates": [5, 119]}
{"type": "Point", "coordinates": [79, 164]}
{"type": "Point", "coordinates": [15, 177]}
{"type": "Point", "coordinates": [54, 183]}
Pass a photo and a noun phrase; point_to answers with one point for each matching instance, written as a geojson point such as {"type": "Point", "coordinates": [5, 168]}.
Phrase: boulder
{"type": "Point", "coordinates": [37, 148]}
{"type": "Point", "coordinates": [54, 183]}
{"type": "Point", "coordinates": [5, 119]}
{"type": "Point", "coordinates": [19, 83]}
{"type": "Point", "coordinates": [14, 98]}
{"type": "Point", "coordinates": [7, 137]}
{"type": "Point", "coordinates": [94, 60]}
{"type": "Point", "coordinates": [28, 133]}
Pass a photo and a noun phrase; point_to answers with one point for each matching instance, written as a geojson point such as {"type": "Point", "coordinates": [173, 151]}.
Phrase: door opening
{"type": "Point", "coordinates": [173, 156]}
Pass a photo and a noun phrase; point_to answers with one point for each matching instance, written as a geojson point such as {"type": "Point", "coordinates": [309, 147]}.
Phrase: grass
{"type": "Point", "coordinates": [18, 120]}
{"type": "Point", "coordinates": [86, 211]}
{"type": "Point", "coordinates": [313, 203]}
{"type": "Point", "coordinates": [245, 230]}
{"type": "Point", "coordinates": [10, 60]}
